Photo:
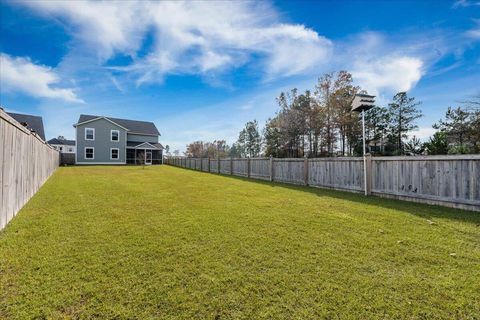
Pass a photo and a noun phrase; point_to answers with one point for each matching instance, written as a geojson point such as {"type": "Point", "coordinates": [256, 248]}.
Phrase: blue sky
{"type": "Point", "coordinates": [200, 70]}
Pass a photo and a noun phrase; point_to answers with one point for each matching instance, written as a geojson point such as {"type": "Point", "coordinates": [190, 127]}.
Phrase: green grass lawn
{"type": "Point", "coordinates": [169, 243]}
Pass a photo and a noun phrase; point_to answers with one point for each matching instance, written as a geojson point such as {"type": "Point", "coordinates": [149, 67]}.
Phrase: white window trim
{"type": "Point", "coordinates": [118, 135]}
{"type": "Point", "coordinates": [93, 129]}
{"type": "Point", "coordinates": [85, 153]}
{"type": "Point", "coordinates": [118, 154]}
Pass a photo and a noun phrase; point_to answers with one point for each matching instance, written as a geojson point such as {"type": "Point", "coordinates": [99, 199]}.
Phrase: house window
{"type": "Point", "coordinates": [61, 148]}
{"type": "Point", "coordinates": [114, 154]}
{"type": "Point", "coordinates": [89, 134]}
{"type": "Point", "coordinates": [114, 135]}
{"type": "Point", "coordinates": [70, 149]}
{"type": "Point", "coordinates": [89, 153]}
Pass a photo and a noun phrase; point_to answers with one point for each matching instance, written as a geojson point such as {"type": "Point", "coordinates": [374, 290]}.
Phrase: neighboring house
{"type": "Point", "coordinates": [33, 123]}
{"type": "Point", "coordinates": [106, 140]}
{"type": "Point", "coordinates": [63, 145]}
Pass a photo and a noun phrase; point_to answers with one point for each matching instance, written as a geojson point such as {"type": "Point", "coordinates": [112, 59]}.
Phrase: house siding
{"type": "Point", "coordinates": [102, 143]}
{"type": "Point", "coordinates": [142, 138]}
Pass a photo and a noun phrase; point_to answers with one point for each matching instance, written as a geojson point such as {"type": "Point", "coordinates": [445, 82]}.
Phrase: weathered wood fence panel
{"type": "Point", "coordinates": [260, 168]}
{"type": "Point", "coordinates": [213, 165]}
{"type": "Point", "coordinates": [289, 171]}
{"type": "Point", "coordinates": [198, 164]}
{"type": "Point", "coordinates": [336, 173]}
{"type": "Point", "coordinates": [191, 163]}
{"type": "Point", "coordinates": [205, 165]}
{"type": "Point", "coordinates": [239, 167]}
{"type": "Point", "coordinates": [225, 166]}
{"type": "Point", "coordinates": [452, 181]}
{"type": "Point", "coordinates": [26, 162]}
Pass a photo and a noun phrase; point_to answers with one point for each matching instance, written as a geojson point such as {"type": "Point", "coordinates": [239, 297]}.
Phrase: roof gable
{"type": "Point", "coordinates": [34, 123]}
{"type": "Point", "coordinates": [133, 126]}
{"type": "Point", "coordinates": [101, 118]}
{"type": "Point", "coordinates": [147, 145]}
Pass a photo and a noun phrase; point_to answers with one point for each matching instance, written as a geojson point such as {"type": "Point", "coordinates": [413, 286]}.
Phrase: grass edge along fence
{"type": "Point", "coordinates": [450, 180]}
{"type": "Point", "coordinates": [26, 162]}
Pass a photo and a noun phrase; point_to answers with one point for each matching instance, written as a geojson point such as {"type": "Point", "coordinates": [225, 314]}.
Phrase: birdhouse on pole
{"type": "Point", "coordinates": [363, 102]}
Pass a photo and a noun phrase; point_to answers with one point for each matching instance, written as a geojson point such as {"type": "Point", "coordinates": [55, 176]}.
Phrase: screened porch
{"type": "Point", "coordinates": [144, 155]}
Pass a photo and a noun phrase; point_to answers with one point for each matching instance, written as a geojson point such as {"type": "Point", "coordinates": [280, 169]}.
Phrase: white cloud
{"type": "Point", "coordinates": [380, 65]}
{"type": "Point", "coordinates": [107, 27]}
{"type": "Point", "coordinates": [19, 74]}
{"type": "Point", "coordinates": [423, 133]}
{"type": "Point", "coordinates": [190, 37]}
{"type": "Point", "coordinates": [465, 3]}
{"type": "Point", "coordinates": [398, 73]}
{"type": "Point", "coordinates": [475, 32]}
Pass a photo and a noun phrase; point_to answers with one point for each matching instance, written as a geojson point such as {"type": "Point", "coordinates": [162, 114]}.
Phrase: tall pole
{"type": "Point", "coordinates": [364, 155]}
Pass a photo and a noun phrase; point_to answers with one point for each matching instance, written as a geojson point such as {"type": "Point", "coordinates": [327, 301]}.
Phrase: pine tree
{"type": "Point", "coordinates": [376, 127]}
{"type": "Point", "coordinates": [249, 140]}
{"type": "Point", "coordinates": [403, 112]}
{"type": "Point", "coordinates": [438, 144]}
{"type": "Point", "coordinates": [456, 127]}
{"type": "Point", "coordinates": [414, 146]}
{"type": "Point", "coordinates": [272, 139]}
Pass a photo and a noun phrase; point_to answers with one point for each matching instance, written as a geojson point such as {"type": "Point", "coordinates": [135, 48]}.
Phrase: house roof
{"type": "Point", "coordinates": [33, 123]}
{"type": "Point", "coordinates": [134, 144]}
{"type": "Point", "coordinates": [61, 142]}
{"type": "Point", "coordinates": [134, 126]}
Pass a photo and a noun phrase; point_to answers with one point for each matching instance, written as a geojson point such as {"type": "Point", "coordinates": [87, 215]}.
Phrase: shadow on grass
{"type": "Point", "coordinates": [415, 208]}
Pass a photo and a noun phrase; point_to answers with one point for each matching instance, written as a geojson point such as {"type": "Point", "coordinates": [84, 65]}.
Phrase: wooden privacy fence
{"type": "Point", "coordinates": [452, 181]}
{"type": "Point", "coordinates": [26, 162]}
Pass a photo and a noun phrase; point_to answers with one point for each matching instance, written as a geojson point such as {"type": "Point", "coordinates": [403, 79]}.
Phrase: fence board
{"type": "Point", "coordinates": [26, 162]}
{"type": "Point", "coordinates": [260, 168]}
{"type": "Point", "coordinates": [214, 165]}
{"type": "Point", "coordinates": [289, 171]}
{"type": "Point", "coordinates": [205, 165]}
{"type": "Point", "coordinates": [445, 179]}
{"type": "Point", "coordinates": [225, 166]}
{"type": "Point", "coordinates": [240, 167]}
{"type": "Point", "coordinates": [340, 173]}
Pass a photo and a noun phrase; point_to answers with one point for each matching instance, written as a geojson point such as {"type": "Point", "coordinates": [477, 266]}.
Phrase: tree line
{"type": "Point", "coordinates": [320, 123]}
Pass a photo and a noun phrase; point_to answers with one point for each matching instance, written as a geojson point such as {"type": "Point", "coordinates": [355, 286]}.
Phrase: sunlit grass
{"type": "Point", "coordinates": [164, 242]}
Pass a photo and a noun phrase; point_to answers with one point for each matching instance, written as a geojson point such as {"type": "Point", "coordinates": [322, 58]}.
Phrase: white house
{"type": "Point", "coordinates": [63, 145]}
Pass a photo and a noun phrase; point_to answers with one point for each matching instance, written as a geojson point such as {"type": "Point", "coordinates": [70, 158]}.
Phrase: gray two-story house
{"type": "Point", "coordinates": [106, 140]}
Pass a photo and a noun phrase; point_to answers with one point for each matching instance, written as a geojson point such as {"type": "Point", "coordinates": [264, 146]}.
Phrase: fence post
{"type": "Point", "coordinates": [271, 168]}
{"type": "Point", "coordinates": [305, 170]}
{"type": "Point", "coordinates": [231, 166]}
{"type": "Point", "coordinates": [208, 164]}
{"type": "Point", "coordinates": [368, 173]}
{"type": "Point", "coordinates": [218, 165]}
{"type": "Point", "coordinates": [248, 167]}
